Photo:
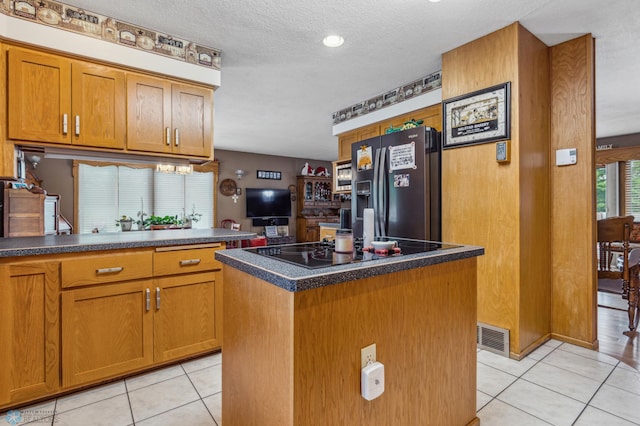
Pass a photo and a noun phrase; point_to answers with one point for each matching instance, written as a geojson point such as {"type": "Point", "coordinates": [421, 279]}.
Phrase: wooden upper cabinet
{"type": "Point", "coordinates": [191, 117]}
{"type": "Point", "coordinates": [345, 140]}
{"type": "Point", "coordinates": [168, 117]}
{"type": "Point", "coordinates": [431, 117]}
{"type": "Point", "coordinates": [148, 114]}
{"type": "Point", "coordinates": [98, 106]}
{"type": "Point", "coordinates": [39, 101]}
{"type": "Point", "coordinates": [56, 100]}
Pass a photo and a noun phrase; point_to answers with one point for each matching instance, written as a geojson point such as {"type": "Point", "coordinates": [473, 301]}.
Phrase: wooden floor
{"type": "Point", "coordinates": [613, 320]}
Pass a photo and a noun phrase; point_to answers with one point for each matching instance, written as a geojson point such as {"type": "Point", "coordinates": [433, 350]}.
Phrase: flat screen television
{"type": "Point", "coordinates": [268, 202]}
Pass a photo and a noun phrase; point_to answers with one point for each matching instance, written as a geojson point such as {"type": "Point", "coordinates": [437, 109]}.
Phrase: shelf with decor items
{"type": "Point", "coordinates": [316, 203]}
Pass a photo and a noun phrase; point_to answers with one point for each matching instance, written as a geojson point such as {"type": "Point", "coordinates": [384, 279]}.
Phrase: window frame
{"type": "Point", "coordinates": [211, 166]}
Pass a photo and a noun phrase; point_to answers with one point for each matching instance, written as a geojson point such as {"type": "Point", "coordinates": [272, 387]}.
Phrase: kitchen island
{"type": "Point", "coordinates": [84, 309]}
{"type": "Point", "coordinates": [293, 339]}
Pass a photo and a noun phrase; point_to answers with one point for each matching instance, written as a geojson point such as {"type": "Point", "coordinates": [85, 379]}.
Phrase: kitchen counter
{"type": "Point", "coordinates": [304, 329]}
{"type": "Point", "coordinates": [296, 278]}
{"type": "Point", "coordinates": [56, 244]}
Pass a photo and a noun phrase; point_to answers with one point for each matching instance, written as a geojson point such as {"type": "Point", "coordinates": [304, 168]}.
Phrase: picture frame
{"type": "Point", "coordinates": [479, 117]}
{"type": "Point", "coordinates": [271, 231]}
{"type": "Point", "coordinates": [268, 174]}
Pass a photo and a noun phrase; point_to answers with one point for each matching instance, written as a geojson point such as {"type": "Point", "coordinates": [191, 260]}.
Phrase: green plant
{"type": "Point", "coordinates": [161, 220]}
{"type": "Point", "coordinates": [194, 216]}
{"type": "Point", "coordinates": [123, 218]}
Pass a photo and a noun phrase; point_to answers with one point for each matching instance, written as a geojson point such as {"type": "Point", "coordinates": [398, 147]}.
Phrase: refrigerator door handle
{"type": "Point", "coordinates": [376, 191]}
{"type": "Point", "coordinates": [383, 197]}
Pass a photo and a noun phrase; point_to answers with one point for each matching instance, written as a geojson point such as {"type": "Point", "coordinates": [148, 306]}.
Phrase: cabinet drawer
{"type": "Point", "coordinates": [98, 269]}
{"type": "Point", "coordinates": [170, 262]}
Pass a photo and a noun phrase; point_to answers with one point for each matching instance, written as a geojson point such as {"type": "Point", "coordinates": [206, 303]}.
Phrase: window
{"type": "Point", "coordinates": [632, 188]}
{"type": "Point", "coordinates": [108, 191]}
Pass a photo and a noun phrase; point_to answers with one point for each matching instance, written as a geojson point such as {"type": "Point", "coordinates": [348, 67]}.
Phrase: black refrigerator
{"type": "Point", "coordinates": [398, 176]}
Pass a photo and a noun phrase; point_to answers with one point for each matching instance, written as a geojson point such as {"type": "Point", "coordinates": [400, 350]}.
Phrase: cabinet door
{"type": "Point", "coordinates": [106, 330]}
{"type": "Point", "coordinates": [148, 114]}
{"type": "Point", "coordinates": [98, 110]}
{"type": "Point", "coordinates": [344, 145]}
{"type": "Point", "coordinates": [188, 311]}
{"type": "Point", "coordinates": [29, 326]}
{"type": "Point", "coordinates": [313, 233]}
{"type": "Point", "coordinates": [39, 101]}
{"type": "Point", "coordinates": [191, 115]}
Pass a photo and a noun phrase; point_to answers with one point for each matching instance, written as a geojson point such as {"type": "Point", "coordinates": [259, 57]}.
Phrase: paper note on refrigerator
{"type": "Point", "coordinates": [402, 156]}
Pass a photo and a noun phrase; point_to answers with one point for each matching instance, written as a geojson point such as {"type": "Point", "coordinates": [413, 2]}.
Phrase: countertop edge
{"type": "Point", "coordinates": [294, 278]}
{"type": "Point", "coordinates": [78, 243]}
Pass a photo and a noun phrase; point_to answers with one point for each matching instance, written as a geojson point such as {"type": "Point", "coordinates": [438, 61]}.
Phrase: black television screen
{"type": "Point", "coordinates": [267, 202]}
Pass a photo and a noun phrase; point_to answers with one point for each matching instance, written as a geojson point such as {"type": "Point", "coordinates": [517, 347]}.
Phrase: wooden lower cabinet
{"type": "Point", "coordinates": [188, 314]}
{"type": "Point", "coordinates": [64, 324]}
{"type": "Point", "coordinates": [107, 330]}
{"type": "Point", "coordinates": [307, 231]}
{"type": "Point", "coordinates": [29, 329]}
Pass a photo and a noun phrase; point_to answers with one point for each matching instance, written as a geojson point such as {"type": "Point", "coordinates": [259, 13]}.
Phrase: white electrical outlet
{"type": "Point", "coordinates": [367, 355]}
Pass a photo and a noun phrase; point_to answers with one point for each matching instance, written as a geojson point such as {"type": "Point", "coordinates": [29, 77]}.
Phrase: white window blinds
{"type": "Point", "coordinates": [632, 189]}
{"type": "Point", "coordinates": [105, 193]}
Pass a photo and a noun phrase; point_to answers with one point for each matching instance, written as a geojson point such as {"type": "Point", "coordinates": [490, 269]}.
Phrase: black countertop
{"type": "Point", "coordinates": [296, 278]}
{"type": "Point", "coordinates": [56, 244]}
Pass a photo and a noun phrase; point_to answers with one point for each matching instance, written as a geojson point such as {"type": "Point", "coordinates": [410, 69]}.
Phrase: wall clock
{"type": "Point", "coordinates": [228, 187]}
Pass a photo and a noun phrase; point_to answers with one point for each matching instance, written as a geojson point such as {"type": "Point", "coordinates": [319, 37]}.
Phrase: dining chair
{"type": "Point", "coordinates": [232, 225]}
{"type": "Point", "coordinates": [614, 261]}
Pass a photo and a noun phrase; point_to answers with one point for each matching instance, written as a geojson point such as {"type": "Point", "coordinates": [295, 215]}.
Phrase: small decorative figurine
{"type": "Point", "coordinates": [307, 170]}
{"type": "Point", "coordinates": [322, 171]}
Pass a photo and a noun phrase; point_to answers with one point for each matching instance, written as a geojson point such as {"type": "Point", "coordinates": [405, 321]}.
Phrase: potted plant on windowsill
{"type": "Point", "coordinates": [162, 222]}
{"type": "Point", "coordinates": [124, 223]}
{"type": "Point", "coordinates": [191, 218]}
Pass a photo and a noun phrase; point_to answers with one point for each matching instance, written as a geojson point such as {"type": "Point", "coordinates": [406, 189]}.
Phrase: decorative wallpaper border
{"type": "Point", "coordinates": [399, 94]}
{"type": "Point", "coordinates": [65, 17]}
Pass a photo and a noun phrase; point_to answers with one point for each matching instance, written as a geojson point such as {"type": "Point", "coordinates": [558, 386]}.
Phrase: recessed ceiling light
{"type": "Point", "coordinates": [434, 1]}
{"type": "Point", "coordinates": [333, 41]}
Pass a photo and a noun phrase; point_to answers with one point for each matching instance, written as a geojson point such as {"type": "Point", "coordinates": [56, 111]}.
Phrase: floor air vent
{"type": "Point", "coordinates": [493, 339]}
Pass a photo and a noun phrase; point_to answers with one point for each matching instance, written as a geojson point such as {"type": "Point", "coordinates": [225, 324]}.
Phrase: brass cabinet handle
{"type": "Point", "coordinates": [65, 124]}
{"type": "Point", "coordinates": [189, 262]}
{"type": "Point", "coordinates": [148, 300]}
{"type": "Point", "coordinates": [168, 132]}
{"type": "Point", "coordinates": [157, 297]}
{"type": "Point", "coordinates": [109, 270]}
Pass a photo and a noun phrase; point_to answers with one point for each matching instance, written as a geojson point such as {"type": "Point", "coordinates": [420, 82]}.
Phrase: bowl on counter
{"type": "Point", "coordinates": [384, 245]}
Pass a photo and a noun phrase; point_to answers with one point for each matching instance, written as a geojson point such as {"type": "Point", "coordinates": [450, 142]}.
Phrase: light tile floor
{"type": "Point", "coordinates": [558, 384]}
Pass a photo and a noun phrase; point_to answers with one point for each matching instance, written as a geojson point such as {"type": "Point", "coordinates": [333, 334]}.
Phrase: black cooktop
{"type": "Point", "coordinates": [321, 254]}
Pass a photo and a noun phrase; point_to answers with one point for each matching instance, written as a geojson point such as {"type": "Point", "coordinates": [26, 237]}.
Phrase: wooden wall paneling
{"type": "Point", "coordinates": [534, 153]}
{"type": "Point", "coordinates": [480, 203]}
{"type": "Point", "coordinates": [573, 233]}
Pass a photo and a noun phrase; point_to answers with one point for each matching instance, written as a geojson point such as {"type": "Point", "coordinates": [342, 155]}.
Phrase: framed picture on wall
{"type": "Point", "coordinates": [478, 117]}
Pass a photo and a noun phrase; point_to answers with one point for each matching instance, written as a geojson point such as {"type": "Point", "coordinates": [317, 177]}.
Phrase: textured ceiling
{"type": "Point", "coordinates": [280, 85]}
